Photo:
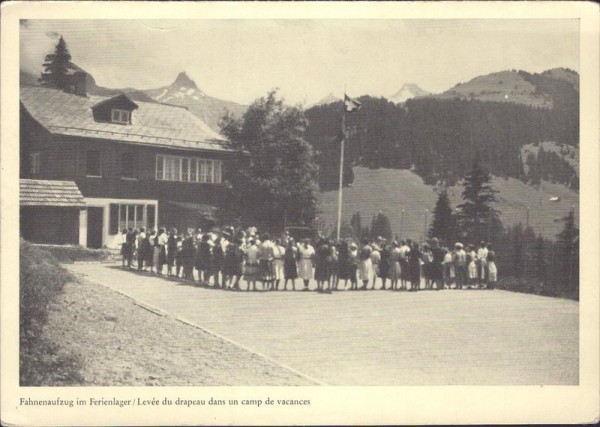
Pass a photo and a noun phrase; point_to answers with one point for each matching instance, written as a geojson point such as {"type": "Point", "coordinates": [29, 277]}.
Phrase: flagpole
{"type": "Point", "coordinates": [339, 218]}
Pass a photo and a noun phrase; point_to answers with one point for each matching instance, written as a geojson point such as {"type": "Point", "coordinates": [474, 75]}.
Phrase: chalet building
{"type": "Point", "coordinates": [134, 163]}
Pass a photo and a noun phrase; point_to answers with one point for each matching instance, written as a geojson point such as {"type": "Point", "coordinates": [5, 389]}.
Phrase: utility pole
{"type": "Point", "coordinates": [402, 225]}
{"type": "Point", "coordinates": [339, 216]}
{"type": "Point", "coordinates": [425, 224]}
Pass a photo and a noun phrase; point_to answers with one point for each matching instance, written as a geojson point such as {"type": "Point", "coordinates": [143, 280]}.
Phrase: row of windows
{"type": "Point", "coordinates": [124, 216]}
{"type": "Point", "coordinates": [168, 168]}
{"type": "Point", "coordinates": [188, 169]}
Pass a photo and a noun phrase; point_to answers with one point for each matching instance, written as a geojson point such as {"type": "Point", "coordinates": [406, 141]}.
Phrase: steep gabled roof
{"type": "Point", "coordinates": [123, 99]}
{"type": "Point", "coordinates": [37, 192]}
{"type": "Point", "coordinates": [152, 124]}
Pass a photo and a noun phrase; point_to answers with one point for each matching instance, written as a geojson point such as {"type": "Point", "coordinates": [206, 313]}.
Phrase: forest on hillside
{"type": "Point", "coordinates": [438, 138]}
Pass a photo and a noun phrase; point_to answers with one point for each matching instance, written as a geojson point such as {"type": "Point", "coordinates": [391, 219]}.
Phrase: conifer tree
{"type": "Point", "coordinates": [381, 227]}
{"type": "Point", "coordinates": [540, 259]}
{"type": "Point", "coordinates": [568, 242]}
{"type": "Point", "coordinates": [477, 218]}
{"type": "Point", "coordinates": [56, 66]}
{"type": "Point", "coordinates": [355, 223]}
{"type": "Point", "coordinates": [443, 225]}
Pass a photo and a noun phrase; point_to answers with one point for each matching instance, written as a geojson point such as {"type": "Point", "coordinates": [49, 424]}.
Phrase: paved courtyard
{"type": "Point", "coordinates": [449, 337]}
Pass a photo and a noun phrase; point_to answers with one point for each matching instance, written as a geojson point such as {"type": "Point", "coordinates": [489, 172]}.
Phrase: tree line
{"type": "Point", "coordinates": [437, 138]}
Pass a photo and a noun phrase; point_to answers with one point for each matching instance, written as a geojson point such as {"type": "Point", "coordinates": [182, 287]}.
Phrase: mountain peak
{"type": "Point", "coordinates": [331, 98]}
{"type": "Point", "coordinates": [408, 91]}
{"type": "Point", "coordinates": [184, 80]}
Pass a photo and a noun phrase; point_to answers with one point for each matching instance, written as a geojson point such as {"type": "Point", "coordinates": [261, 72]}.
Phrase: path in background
{"type": "Point", "coordinates": [449, 337]}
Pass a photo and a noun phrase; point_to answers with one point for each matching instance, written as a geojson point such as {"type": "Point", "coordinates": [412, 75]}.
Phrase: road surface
{"type": "Point", "coordinates": [448, 337]}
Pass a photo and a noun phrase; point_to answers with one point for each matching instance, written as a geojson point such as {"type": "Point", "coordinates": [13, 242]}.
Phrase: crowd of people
{"type": "Point", "coordinates": [223, 259]}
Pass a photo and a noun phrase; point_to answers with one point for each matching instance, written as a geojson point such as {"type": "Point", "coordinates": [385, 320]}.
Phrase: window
{"type": "Point", "coordinates": [93, 163]}
{"type": "Point", "coordinates": [188, 169]}
{"type": "Point", "coordinates": [120, 116]}
{"type": "Point", "coordinates": [123, 216]}
{"type": "Point", "coordinates": [128, 165]}
{"type": "Point", "coordinates": [34, 163]}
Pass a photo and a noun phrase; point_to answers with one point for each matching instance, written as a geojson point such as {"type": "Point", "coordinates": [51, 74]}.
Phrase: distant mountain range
{"type": "Point", "coordinates": [509, 86]}
{"type": "Point", "coordinates": [408, 91]}
{"type": "Point", "coordinates": [512, 86]}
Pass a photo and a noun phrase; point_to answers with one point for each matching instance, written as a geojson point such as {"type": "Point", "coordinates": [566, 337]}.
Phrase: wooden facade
{"type": "Point", "coordinates": [124, 174]}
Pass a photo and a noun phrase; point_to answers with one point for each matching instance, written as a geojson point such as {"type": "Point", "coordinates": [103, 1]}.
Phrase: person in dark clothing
{"type": "Point", "coordinates": [171, 251]}
{"type": "Point", "coordinates": [130, 245]}
{"type": "Point", "coordinates": [414, 262]}
{"type": "Point", "coordinates": [334, 265]}
{"type": "Point", "coordinates": [204, 260]}
{"type": "Point", "coordinates": [218, 261]}
{"type": "Point", "coordinates": [141, 255]}
{"type": "Point", "coordinates": [233, 264]}
{"type": "Point", "coordinates": [437, 267]}
{"type": "Point", "coordinates": [384, 264]}
{"type": "Point", "coordinates": [323, 262]}
{"type": "Point", "coordinates": [188, 252]}
{"type": "Point", "coordinates": [344, 263]}
{"type": "Point", "coordinates": [290, 268]}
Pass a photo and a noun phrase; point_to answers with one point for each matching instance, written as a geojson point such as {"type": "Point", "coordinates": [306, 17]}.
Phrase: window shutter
{"type": "Point", "coordinates": [150, 215]}
{"type": "Point", "coordinates": [113, 225]}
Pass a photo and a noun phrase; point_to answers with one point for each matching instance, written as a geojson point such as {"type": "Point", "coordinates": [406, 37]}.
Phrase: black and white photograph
{"type": "Point", "coordinates": [297, 202]}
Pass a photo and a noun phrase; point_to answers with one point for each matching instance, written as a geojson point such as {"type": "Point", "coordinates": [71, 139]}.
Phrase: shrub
{"type": "Point", "coordinates": [535, 286]}
{"type": "Point", "coordinates": [519, 284]}
{"type": "Point", "coordinates": [41, 280]}
{"type": "Point", "coordinates": [70, 254]}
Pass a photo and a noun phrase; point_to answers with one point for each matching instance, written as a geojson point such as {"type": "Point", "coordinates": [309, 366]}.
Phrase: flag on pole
{"type": "Point", "coordinates": [351, 105]}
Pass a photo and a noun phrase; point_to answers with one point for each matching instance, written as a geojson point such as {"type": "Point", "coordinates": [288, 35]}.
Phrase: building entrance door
{"type": "Point", "coordinates": [95, 218]}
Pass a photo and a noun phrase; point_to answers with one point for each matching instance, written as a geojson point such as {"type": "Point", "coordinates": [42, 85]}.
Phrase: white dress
{"type": "Point", "coordinates": [305, 267]}
{"type": "Point", "coordinates": [472, 266]}
{"type": "Point", "coordinates": [278, 255]}
{"type": "Point", "coordinates": [492, 271]}
{"type": "Point", "coordinates": [365, 266]}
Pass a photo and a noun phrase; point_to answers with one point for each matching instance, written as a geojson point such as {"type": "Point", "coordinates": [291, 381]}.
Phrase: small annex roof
{"type": "Point", "coordinates": [153, 124]}
{"type": "Point", "coordinates": [37, 192]}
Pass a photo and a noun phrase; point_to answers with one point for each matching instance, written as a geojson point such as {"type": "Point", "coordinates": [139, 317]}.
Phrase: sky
{"type": "Point", "coordinates": [241, 60]}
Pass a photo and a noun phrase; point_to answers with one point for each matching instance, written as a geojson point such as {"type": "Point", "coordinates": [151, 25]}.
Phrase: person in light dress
{"type": "Point", "coordinates": [305, 265]}
{"type": "Point", "coordinates": [278, 263]}
{"type": "Point", "coordinates": [491, 267]}
{"type": "Point", "coordinates": [251, 269]}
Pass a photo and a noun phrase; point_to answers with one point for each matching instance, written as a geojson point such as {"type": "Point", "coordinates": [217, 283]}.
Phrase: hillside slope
{"type": "Point", "coordinates": [391, 191]}
{"type": "Point", "coordinates": [503, 86]}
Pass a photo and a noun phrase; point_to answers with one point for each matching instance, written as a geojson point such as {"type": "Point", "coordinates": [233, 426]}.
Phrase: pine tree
{"type": "Point", "coordinates": [381, 227]}
{"type": "Point", "coordinates": [540, 259]}
{"type": "Point", "coordinates": [568, 242]}
{"type": "Point", "coordinates": [56, 67]}
{"type": "Point", "coordinates": [443, 225]}
{"type": "Point", "coordinates": [477, 218]}
{"type": "Point", "coordinates": [346, 231]}
{"type": "Point", "coordinates": [355, 223]}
